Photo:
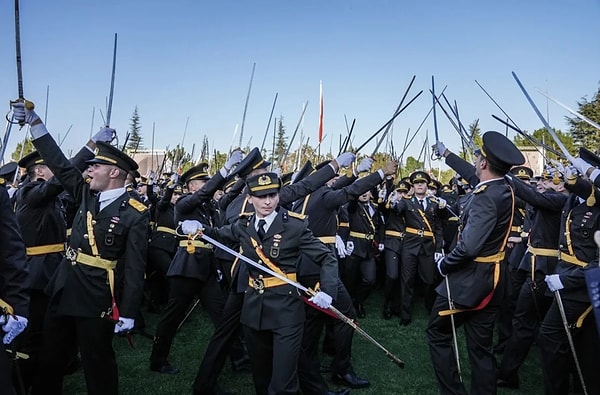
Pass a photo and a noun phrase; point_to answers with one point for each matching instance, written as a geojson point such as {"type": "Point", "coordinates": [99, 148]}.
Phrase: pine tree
{"type": "Point", "coordinates": [280, 144]}
{"type": "Point", "coordinates": [22, 149]}
{"type": "Point", "coordinates": [135, 137]}
{"type": "Point", "coordinates": [585, 135]}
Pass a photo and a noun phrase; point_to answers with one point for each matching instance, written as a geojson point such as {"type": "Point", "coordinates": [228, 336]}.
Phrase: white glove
{"type": "Point", "coordinates": [345, 159]}
{"type": "Point", "coordinates": [441, 202]}
{"type": "Point", "coordinates": [581, 165]}
{"type": "Point", "coordinates": [191, 226]}
{"type": "Point", "coordinates": [124, 325]}
{"type": "Point", "coordinates": [235, 158]}
{"type": "Point", "coordinates": [151, 177]}
{"type": "Point", "coordinates": [553, 282]}
{"type": "Point", "coordinates": [380, 247]}
{"type": "Point", "coordinates": [364, 165]}
{"type": "Point", "coordinates": [22, 114]}
{"type": "Point", "coordinates": [558, 166]}
{"type": "Point", "coordinates": [571, 172]}
{"type": "Point", "coordinates": [173, 180]}
{"type": "Point", "coordinates": [439, 148]}
{"type": "Point", "coordinates": [340, 246]}
{"type": "Point", "coordinates": [349, 248]}
{"type": "Point", "coordinates": [393, 198]}
{"type": "Point", "coordinates": [277, 171]}
{"type": "Point", "coordinates": [105, 134]}
{"type": "Point", "coordinates": [322, 300]}
{"type": "Point", "coordinates": [13, 328]}
{"type": "Point", "coordinates": [439, 258]}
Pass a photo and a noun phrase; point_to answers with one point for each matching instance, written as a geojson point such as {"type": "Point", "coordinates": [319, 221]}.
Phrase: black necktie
{"type": "Point", "coordinates": [261, 229]}
{"type": "Point", "coordinates": [97, 203]}
{"type": "Point", "coordinates": [422, 204]}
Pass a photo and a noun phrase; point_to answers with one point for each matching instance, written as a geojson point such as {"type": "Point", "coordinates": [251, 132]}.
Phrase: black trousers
{"type": "Point", "coordinates": [224, 336]}
{"type": "Point", "coordinates": [274, 354]}
{"type": "Point", "coordinates": [94, 337]}
{"type": "Point", "coordinates": [5, 372]}
{"type": "Point", "coordinates": [515, 279]}
{"type": "Point", "coordinates": [420, 264]}
{"type": "Point", "coordinates": [311, 381]}
{"type": "Point", "coordinates": [532, 305]}
{"type": "Point", "coordinates": [557, 360]}
{"type": "Point", "coordinates": [391, 287]}
{"type": "Point", "coordinates": [479, 331]}
{"type": "Point", "coordinates": [359, 275]}
{"type": "Point", "coordinates": [181, 294]}
{"type": "Point", "coordinates": [156, 270]}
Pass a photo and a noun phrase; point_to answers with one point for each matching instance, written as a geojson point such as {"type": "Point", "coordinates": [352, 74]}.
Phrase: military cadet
{"type": "Point", "coordinates": [163, 243]}
{"type": "Point", "coordinates": [14, 280]}
{"type": "Point", "coordinates": [472, 273]}
{"type": "Point", "coordinates": [321, 206]}
{"type": "Point", "coordinates": [515, 249]}
{"type": "Point", "coordinates": [228, 330]}
{"type": "Point", "coordinates": [539, 261]}
{"type": "Point", "coordinates": [193, 270]}
{"type": "Point", "coordinates": [366, 239]}
{"type": "Point", "coordinates": [100, 281]}
{"type": "Point", "coordinates": [42, 217]}
{"type": "Point", "coordinates": [394, 236]}
{"type": "Point", "coordinates": [273, 311]}
{"type": "Point", "coordinates": [422, 240]}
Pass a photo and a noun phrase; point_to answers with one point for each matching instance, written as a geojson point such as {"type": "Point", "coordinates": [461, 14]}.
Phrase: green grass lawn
{"type": "Point", "coordinates": [408, 343]}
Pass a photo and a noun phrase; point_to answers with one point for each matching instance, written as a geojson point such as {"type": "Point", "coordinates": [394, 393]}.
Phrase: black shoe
{"type": "Point", "coordinates": [509, 383]}
{"type": "Point", "coordinates": [164, 369]}
{"type": "Point", "coordinates": [405, 321]}
{"type": "Point", "coordinates": [351, 380]}
{"type": "Point", "coordinates": [242, 365]}
{"type": "Point", "coordinates": [360, 311]}
{"type": "Point", "coordinates": [345, 391]}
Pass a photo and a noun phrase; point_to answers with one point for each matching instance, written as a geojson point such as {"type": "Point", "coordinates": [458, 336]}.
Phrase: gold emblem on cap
{"type": "Point", "coordinates": [522, 172]}
{"type": "Point", "coordinates": [264, 180]}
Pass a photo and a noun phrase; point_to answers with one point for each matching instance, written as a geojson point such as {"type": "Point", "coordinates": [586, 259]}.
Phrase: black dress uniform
{"type": "Point", "coordinates": [192, 271]}
{"type": "Point", "coordinates": [14, 278]}
{"type": "Point", "coordinates": [41, 215]}
{"type": "Point", "coordinates": [472, 271]}
{"type": "Point", "coordinates": [578, 252]}
{"type": "Point", "coordinates": [423, 237]}
{"type": "Point", "coordinates": [321, 207]}
{"type": "Point", "coordinates": [273, 311]}
{"type": "Point", "coordinates": [106, 256]}
{"type": "Point", "coordinates": [540, 260]}
{"type": "Point", "coordinates": [229, 328]}
{"type": "Point", "coordinates": [393, 240]}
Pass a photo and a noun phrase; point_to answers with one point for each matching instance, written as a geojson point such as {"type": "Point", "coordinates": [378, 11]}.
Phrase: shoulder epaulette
{"type": "Point", "coordinates": [296, 215]}
{"type": "Point", "coordinates": [139, 206]}
{"type": "Point", "coordinates": [480, 189]}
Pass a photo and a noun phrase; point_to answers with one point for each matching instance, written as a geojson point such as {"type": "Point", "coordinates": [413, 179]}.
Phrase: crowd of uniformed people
{"type": "Point", "coordinates": [86, 242]}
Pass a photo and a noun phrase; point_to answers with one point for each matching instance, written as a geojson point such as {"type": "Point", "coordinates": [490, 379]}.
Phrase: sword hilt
{"type": "Point", "coordinates": [28, 105]}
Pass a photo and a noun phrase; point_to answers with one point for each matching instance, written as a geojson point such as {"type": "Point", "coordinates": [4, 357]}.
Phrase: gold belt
{"type": "Point", "coordinates": [327, 239]}
{"type": "Point", "coordinates": [362, 235]}
{"type": "Point", "coordinates": [8, 309]}
{"type": "Point", "coordinates": [94, 261]}
{"type": "Point", "coordinates": [394, 233]}
{"type": "Point", "coordinates": [165, 230]}
{"type": "Point", "coordinates": [516, 228]}
{"type": "Point", "coordinates": [563, 256]}
{"type": "Point", "coordinates": [344, 224]}
{"type": "Point", "coordinates": [419, 232]}
{"type": "Point", "coordinates": [496, 258]}
{"type": "Point", "coordinates": [45, 249]}
{"type": "Point", "coordinates": [542, 251]}
{"type": "Point", "coordinates": [260, 283]}
{"type": "Point", "coordinates": [194, 243]}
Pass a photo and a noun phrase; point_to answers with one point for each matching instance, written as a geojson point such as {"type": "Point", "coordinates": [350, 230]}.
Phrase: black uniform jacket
{"type": "Point", "coordinates": [42, 218]}
{"type": "Point", "coordinates": [120, 232]}
{"type": "Point", "coordinates": [485, 223]}
{"type": "Point", "coordinates": [413, 218]}
{"type": "Point", "coordinates": [164, 214]}
{"type": "Point", "coordinates": [14, 270]}
{"type": "Point", "coordinates": [578, 224]}
{"type": "Point", "coordinates": [287, 238]}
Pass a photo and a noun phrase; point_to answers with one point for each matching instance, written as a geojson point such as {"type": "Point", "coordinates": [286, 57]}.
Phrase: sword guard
{"type": "Point", "coordinates": [28, 104]}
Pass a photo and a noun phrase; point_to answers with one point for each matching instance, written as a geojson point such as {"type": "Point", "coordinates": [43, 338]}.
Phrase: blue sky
{"type": "Point", "coordinates": [180, 59]}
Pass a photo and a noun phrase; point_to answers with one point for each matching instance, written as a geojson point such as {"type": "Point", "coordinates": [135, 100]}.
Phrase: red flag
{"type": "Point", "coordinates": [320, 111]}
